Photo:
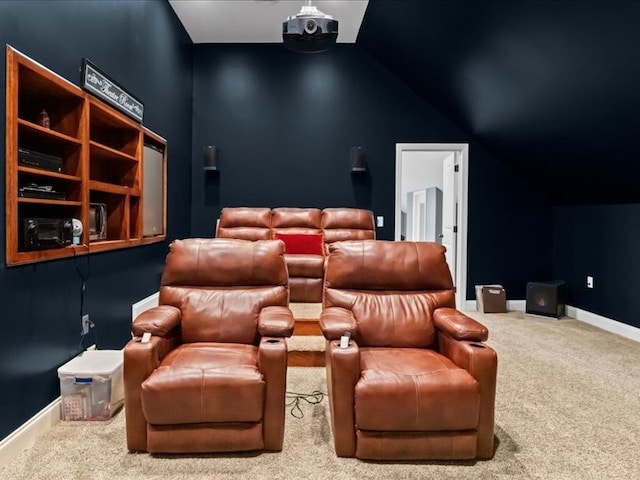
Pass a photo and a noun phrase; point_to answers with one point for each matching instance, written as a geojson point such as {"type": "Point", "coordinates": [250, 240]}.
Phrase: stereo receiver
{"type": "Point", "coordinates": [45, 233]}
{"type": "Point", "coordinates": [44, 161]}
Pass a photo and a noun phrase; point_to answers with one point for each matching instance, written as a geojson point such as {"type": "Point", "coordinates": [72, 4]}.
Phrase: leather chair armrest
{"type": "Point", "coordinates": [343, 371]}
{"type": "Point", "coordinates": [459, 326]}
{"type": "Point", "coordinates": [272, 362]}
{"type": "Point", "coordinates": [275, 321]}
{"type": "Point", "coordinates": [481, 361]}
{"type": "Point", "coordinates": [158, 321]}
{"type": "Point", "coordinates": [335, 321]}
{"type": "Point", "coordinates": [140, 360]}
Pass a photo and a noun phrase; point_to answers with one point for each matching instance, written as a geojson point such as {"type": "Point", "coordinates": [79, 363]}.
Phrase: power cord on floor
{"type": "Point", "coordinates": [293, 400]}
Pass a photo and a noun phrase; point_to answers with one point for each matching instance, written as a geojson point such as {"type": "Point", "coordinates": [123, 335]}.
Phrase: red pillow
{"type": "Point", "coordinates": [302, 243]}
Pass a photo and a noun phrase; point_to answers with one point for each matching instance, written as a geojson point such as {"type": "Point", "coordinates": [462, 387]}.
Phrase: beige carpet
{"type": "Point", "coordinates": [304, 311]}
{"type": "Point", "coordinates": [303, 343]}
{"type": "Point", "coordinates": [567, 408]}
{"type": "Point", "coordinates": [311, 343]}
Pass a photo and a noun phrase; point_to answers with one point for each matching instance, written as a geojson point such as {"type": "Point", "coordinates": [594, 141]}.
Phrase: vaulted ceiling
{"type": "Point", "coordinates": [550, 87]}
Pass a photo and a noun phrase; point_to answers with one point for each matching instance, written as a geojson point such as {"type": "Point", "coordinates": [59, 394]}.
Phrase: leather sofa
{"type": "Point", "coordinates": [212, 377]}
{"type": "Point", "coordinates": [416, 380]}
{"type": "Point", "coordinates": [306, 233]}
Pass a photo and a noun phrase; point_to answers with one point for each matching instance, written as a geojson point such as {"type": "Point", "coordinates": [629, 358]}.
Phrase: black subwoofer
{"type": "Point", "coordinates": [546, 299]}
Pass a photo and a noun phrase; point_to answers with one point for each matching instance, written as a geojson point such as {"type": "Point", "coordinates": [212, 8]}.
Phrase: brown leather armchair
{"type": "Point", "coordinates": [212, 377]}
{"type": "Point", "coordinates": [415, 381]}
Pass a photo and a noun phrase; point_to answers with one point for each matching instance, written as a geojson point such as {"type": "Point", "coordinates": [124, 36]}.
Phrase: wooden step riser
{"type": "Point", "coordinates": [307, 327]}
{"type": "Point", "coordinates": [305, 359]}
{"type": "Point", "coordinates": [298, 358]}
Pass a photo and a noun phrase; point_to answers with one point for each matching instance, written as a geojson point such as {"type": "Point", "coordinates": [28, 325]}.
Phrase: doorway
{"type": "Point", "coordinates": [431, 201]}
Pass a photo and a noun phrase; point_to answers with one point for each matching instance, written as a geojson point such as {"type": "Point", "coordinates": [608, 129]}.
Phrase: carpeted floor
{"type": "Point", "coordinates": [306, 310]}
{"type": "Point", "coordinates": [567, 408]}
{"type": "Point", "coordinates": [306, 343]}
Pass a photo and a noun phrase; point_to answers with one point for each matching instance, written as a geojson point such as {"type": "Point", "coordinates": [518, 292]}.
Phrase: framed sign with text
{"type": "Point", "coordinates": [103, 87]}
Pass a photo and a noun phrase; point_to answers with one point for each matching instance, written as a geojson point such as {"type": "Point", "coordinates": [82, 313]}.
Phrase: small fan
{"type": "Point", "coordinates": [77, 230]}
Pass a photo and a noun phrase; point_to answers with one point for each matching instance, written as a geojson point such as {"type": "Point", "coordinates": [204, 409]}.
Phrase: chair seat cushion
{"type": "Point", "coordinates": [308, 266]}
{"type": "Point", "coordinates": [412, 389]}
{"type": "Point", "coordinates": [204, 383]}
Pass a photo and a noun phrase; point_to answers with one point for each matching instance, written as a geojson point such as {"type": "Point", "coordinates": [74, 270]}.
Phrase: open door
{"type": "Point", "coordinates": [449, 220]}
{"type": "Point", "coordinates": [420, 166]}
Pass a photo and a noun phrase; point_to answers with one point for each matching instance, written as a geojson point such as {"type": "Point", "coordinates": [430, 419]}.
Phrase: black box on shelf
{"type": "Point", "coordinates": [45, 233]}
{"type": "Point", "coordinates": [39, 191]}
{"type": "Point", "coordinates": [44, 161]}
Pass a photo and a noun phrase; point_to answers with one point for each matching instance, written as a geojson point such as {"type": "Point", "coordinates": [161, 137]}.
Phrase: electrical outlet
{"type": "Point", "coordinates": [380, 221]}
{"type": "Point", "coordinates": [589, 281]}
{"type": "Point", "coordinates": [86, 324]}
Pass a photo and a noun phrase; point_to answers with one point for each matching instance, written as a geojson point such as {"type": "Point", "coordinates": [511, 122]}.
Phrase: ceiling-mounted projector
{"type": "Point", "coordinates": [310, 31]}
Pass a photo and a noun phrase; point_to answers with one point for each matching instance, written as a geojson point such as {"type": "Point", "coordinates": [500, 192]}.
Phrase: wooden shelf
{"type": "Point", "coordinates": [46, 173]}
{"type": "Point", "coordinates": [46, 132]}
{"type": "Point", "coordinates": [100, 245]}
{"type": "Point", "coordinates": [22, 258]}
{"type": "Point", "coordinates": [103, 152]}
{"type": "Point", "coordinates": [46, 201]}
{"type": "Point", "coordinates": [101, 156]}
{"type": "Point", "coordinates": [112, 188]}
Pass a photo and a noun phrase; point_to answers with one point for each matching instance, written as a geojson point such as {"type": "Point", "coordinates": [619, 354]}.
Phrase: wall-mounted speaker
{"type": "Point", "coordinates": [211, 159]}
{"type": "Point", "coordinates": [356, 157]}
{"type": "Point", "coordinates": [546, 299]}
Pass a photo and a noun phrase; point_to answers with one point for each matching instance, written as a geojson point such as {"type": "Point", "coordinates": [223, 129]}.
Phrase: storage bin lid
{"type": "Point", "coordinates": [93, 362]}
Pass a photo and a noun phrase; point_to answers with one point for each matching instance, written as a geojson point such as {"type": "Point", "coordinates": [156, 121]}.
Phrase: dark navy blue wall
{"type": "Point", "coordinates": [284, 123]}
{"type": "Point", "coordinates": [601, 241]}
{"type": "Point", "coordinates": [142, 46]}
{"type": "Point", "coordinates": [548, 88]}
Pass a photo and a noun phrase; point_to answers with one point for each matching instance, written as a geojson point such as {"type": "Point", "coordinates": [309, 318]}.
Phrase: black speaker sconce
{"type": "Point", "coordinates": [211, 159]}
{"type": "Point", "coordinates": [358, 163]}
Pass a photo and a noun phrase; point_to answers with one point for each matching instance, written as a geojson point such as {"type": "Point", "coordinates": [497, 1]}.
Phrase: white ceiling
{"type": "Point", "coordinates": [260, 21]}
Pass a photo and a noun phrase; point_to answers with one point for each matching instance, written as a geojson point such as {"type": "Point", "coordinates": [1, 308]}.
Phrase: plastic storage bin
{"type": "Point", "coordinates": [91, 385]}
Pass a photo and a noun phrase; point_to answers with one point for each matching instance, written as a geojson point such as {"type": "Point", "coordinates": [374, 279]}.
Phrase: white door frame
{"type": "Point", "coordinates": [417, 222]}
{"type": "Point", "coordinates": [461, 151]}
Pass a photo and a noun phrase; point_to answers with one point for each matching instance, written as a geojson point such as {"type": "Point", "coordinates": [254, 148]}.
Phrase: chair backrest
{"type": "Point", "coordinates": [286, 220]}
{"type": "Point", "coordinates": [392, 288]}
{"type": "Point", "coordinates": [247, 223]}
{"type": "Point", "coordinates": [220, 286]}
{"type": "Point", "coordinates": [340, 224]}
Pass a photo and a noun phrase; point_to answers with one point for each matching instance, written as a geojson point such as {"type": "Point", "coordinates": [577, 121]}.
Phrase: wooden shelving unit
{"type": "Point", "coordinates": [101, 157]}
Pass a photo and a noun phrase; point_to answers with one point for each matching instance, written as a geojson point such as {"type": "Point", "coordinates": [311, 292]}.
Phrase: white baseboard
{"type": "Point", "coordinates": [518, 305]}
{"type": "Point", "coordinates": [27, 434]}
{"type": "Point", "coordinates": [144, 305]}
{"type": "Point", "coordinates": [596, 320]}
{"type": "Point", "coordinates": [604, 323]}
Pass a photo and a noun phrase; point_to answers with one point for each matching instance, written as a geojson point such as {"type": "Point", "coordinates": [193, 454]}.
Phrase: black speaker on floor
{"type": "Point", "coordinates": [546, 299]}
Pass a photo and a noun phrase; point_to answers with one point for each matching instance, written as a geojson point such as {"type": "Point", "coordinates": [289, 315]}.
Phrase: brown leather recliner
{"type": "Point", "coordinates": [305, 269]}
{"type": "Point", "coordinates": [306, 233]}
{"type": "Point", "coordinates": [415, 381]}
{"type": "Point", "coordinates": [212, 377]}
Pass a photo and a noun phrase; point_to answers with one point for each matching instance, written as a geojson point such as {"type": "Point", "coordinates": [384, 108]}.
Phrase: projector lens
{"type": "Point", "coordinates": [310, 26]}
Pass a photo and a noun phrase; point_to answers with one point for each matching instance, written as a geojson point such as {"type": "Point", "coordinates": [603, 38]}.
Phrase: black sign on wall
{"type": "Point", "coordinates": [99, 84]}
